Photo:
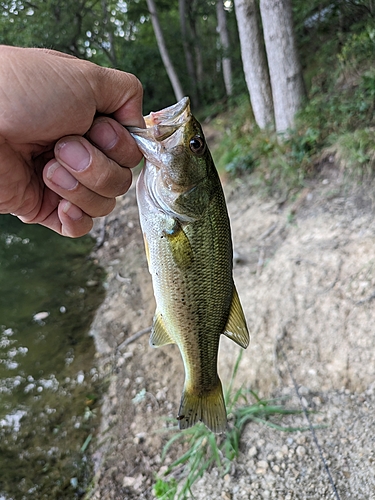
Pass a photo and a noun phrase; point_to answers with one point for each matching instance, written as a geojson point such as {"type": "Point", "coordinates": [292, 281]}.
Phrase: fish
{"type": "Point", "coordinates": [188, 244]}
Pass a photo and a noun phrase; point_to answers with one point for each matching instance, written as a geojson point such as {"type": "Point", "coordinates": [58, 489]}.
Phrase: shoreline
{"type": "Point", "coordinates": [305, 273]}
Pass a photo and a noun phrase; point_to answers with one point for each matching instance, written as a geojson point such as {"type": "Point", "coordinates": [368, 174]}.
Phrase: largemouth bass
{"type": "Point", "coordinates": [189, 251]}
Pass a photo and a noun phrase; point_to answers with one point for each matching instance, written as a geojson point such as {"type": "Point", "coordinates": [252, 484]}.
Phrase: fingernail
{"type": "Point", "coordinates": [103, 135]}
{"type": "Point", "coordinates": [72, 211]}
{"type": "Point", "coordinates": [61, 177]}
{"type": "Point", "coordinates": [74, 154]}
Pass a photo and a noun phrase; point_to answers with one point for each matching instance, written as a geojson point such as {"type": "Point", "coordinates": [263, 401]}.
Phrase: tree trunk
{"type": "Point", "coordinates": [254, 61]}
{"type": "Point", "coordinates": [199, 72]}
{"type": "Point", "coordinates": [179, 94]}
{"type": "Point", "coordinates": [224, 40]}
{"type": "Point", "coordinates": [111, 53]}
{"type": "Point", "coordinates": [288, 89]}
{"type": "Point", "coordinates": [186, 42]}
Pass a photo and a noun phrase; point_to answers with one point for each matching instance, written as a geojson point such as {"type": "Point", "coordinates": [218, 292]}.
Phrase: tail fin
{"type": "Point", "coordinates": [208, 408]}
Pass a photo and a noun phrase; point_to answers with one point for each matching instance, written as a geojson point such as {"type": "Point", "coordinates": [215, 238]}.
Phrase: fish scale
{"type": "Point", "coordinates": [189, 251]}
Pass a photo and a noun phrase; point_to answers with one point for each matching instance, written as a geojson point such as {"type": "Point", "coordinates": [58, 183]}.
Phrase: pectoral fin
{"type": "Point", "coordinates": [180, 245]}
{"type": "Point", "coordinates": [159, 335]}
{"type": "Point", "coordinates": [147, 250]}
{"type": "Point", "coordinates": [236, 328]}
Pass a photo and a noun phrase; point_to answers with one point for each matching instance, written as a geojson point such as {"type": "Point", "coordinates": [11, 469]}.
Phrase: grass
{"type": "Point", "coordinates": [205, 450]}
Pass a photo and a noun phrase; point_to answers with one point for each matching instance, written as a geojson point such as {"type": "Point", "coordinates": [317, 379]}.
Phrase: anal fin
{"type": "Point", "coordinates": [236, 328]}
{"type": "Point", "coordinates": [159, 335]}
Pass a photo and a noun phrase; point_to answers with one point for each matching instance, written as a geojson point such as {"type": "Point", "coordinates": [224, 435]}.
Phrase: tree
{"type": "Point", "coordinates": [254, 61]}
{"type": "Point", "coordinates": [78, 27]}
{"type": "Point", "coordinates": [287, 84]}
{"type": "Point", "coordinates": [224, 39]}
{"type": "Point", "coordinates": [194, 15]}
{"type": "Point", "coordinates": [164, 52]}
{"type": "Point", "coordinates": [186, 42]}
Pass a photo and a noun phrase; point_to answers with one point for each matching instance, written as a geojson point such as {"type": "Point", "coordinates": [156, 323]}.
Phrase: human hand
{"type": "Point", "coordinates": [49, 173]}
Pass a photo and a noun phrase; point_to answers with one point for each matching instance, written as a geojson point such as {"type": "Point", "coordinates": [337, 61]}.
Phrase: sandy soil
{"type": "Point", "coordinates": [305, 273]}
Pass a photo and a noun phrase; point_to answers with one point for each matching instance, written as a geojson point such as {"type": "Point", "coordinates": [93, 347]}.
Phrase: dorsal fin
{"type": "Point", "coordinates": [236, 328]}
{"type": "Point", "coordinates": [159, 335]}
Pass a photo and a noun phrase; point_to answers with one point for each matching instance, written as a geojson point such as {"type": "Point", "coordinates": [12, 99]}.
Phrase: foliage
{"type": "Point", "coordinates": [355, 152]}
{"type": "Point", "coordinates": [119, 34]}
{"type": "Point", "coordinates": [205, 449]}
{"type": "Point", "coordinates": [165, 489]}
{"type": "Point", "coordinates": [337, 43]}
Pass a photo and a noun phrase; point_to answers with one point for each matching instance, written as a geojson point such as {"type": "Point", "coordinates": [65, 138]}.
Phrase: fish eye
{"type": "Point", "coordinates": [197, 145]}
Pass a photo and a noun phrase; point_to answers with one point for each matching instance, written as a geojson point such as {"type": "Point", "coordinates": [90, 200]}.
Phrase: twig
{"type": "Point", "coordinates": [121, 279]}
{"type": "Point", "coordinates": [267, 232]}
{"type": "Point", "coordinates": [299, 201]}
{"type": "Point", "coordinates": [368, 299]}
{"type": "Point", "coordinates": [134, 337]}
{"type": "Point", "coordinates": [260, 261]}
{"type": "Point", "coordinates": [335, 281]}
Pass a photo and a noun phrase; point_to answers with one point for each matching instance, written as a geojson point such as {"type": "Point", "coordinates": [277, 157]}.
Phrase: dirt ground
{"type": "Point", "coordinates": [305, 273]}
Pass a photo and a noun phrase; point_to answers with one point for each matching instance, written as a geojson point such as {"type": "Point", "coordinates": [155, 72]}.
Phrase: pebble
{"type": "Point", "coordinates": [279, 455]}
{"type": "Point", "coordinates": [128, 481]}
{"type": "Point", "coordinates": [262, 467]}
{"type": "Point", "coordinates": [252, 452]}
{"type": "Point", "coordinates": [301, 440]}
{"type": "Point", "coordinates": [301, 451]}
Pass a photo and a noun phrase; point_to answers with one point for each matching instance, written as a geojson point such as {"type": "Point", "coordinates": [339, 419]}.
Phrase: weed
{"type": "Point", "coordinates": [205, 449]}
{"type": "Point", "coordinates": [355, 152]}
{"type": "Point", "coordinates": [165, 490]}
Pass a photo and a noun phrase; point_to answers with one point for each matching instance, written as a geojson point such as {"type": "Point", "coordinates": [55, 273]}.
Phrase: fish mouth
{"type": "Point", "coordinates": [173, 115]}
{"type": "Point", "coordinates": [161, 125]}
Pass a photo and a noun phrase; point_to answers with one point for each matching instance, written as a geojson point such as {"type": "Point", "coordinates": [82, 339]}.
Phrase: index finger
{"type": "Point", "coordinates": [118, 94]}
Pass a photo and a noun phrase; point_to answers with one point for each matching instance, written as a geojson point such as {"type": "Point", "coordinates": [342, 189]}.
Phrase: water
{"type": "Point", "coordinates": [49, 291]}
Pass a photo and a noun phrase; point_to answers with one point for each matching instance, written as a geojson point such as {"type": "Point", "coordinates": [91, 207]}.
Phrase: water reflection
{"type": "Point", "coordinates": [49, 291]}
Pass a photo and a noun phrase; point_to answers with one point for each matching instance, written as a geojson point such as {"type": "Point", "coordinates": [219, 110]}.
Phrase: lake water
{"type": "Point", "coordinates": [49, 387]}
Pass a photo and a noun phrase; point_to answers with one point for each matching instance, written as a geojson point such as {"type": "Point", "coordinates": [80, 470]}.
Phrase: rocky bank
{"type": "Point", "coordinates": [305, 273]}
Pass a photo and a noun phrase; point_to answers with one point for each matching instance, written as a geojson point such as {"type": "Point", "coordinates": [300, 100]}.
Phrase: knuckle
{"type": "Point", "coordinates": [106, 208]}
{"type": "Point", "coordinates": [97, 206]}
{"type": "Point", "coordinates": [113, 181]}
{"type": "Point", "coordinates": [138, 87]}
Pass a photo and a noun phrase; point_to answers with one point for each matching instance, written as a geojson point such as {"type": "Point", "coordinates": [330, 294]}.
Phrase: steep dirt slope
{"type": "Point", "coordinates": [305, 273]}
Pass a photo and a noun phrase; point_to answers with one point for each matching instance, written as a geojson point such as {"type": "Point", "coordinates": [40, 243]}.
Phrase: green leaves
{"type": "Point", "coordinates": [119, 34]}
